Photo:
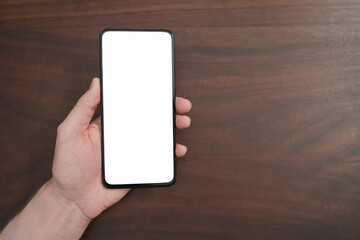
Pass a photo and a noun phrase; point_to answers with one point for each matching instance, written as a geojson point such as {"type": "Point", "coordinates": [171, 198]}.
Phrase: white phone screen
{"type": "Point", "coordinates": [137, 103]}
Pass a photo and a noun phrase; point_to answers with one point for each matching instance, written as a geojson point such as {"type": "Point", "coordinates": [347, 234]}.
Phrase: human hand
{"type": "Point", "coordinates": [77, 160]}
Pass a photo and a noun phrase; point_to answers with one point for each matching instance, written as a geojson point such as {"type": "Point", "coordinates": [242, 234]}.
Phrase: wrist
{"type": "Point", "coordinates": [48, 215]}
{"type": "Point", "coordinates": [67, 215]}
{"type": "Point", "coordinates": [52, 194]}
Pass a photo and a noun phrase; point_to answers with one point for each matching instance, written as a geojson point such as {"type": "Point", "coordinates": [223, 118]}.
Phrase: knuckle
{"type": "Point", "coordinates": [60, 129]}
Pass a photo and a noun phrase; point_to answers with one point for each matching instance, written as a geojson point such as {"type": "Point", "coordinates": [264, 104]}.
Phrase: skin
{"type": "Point", "coordinates": [75, 195]}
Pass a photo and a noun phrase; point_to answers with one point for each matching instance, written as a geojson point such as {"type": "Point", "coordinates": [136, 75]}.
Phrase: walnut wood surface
{"type": "Point", "coordinates": [274, 143]}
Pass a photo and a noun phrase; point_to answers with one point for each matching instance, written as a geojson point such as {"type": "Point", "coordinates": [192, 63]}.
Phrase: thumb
{"type": "Point", "coordinates": [80, 116]}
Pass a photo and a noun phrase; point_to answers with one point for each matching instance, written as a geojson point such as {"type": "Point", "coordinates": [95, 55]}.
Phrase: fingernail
{"type": "Point", "coordinates": [190, 103]}
{"type": "Point", "coordinates": [93, 83]}
{"type": "Point", "coordinates": [189, 121]}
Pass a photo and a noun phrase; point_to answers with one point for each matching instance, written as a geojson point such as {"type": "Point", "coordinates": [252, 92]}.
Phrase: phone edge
{"type": "Point", "coordinates": [142, 185]}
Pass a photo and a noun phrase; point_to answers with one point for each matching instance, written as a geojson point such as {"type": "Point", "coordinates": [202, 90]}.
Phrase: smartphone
{"type": "Point", "coordinates": [138, 108]}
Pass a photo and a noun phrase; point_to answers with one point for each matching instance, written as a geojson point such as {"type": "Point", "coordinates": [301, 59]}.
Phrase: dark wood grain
{"type": "Point", "coordinates": [274, 143]}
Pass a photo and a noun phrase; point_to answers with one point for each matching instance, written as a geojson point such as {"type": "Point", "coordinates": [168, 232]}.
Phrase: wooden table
{"type": "Point", "coordinates": [274, 144]}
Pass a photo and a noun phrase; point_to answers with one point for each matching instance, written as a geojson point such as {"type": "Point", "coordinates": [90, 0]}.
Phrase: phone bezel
{"type": "Point", "coordinates": [141, 185]}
